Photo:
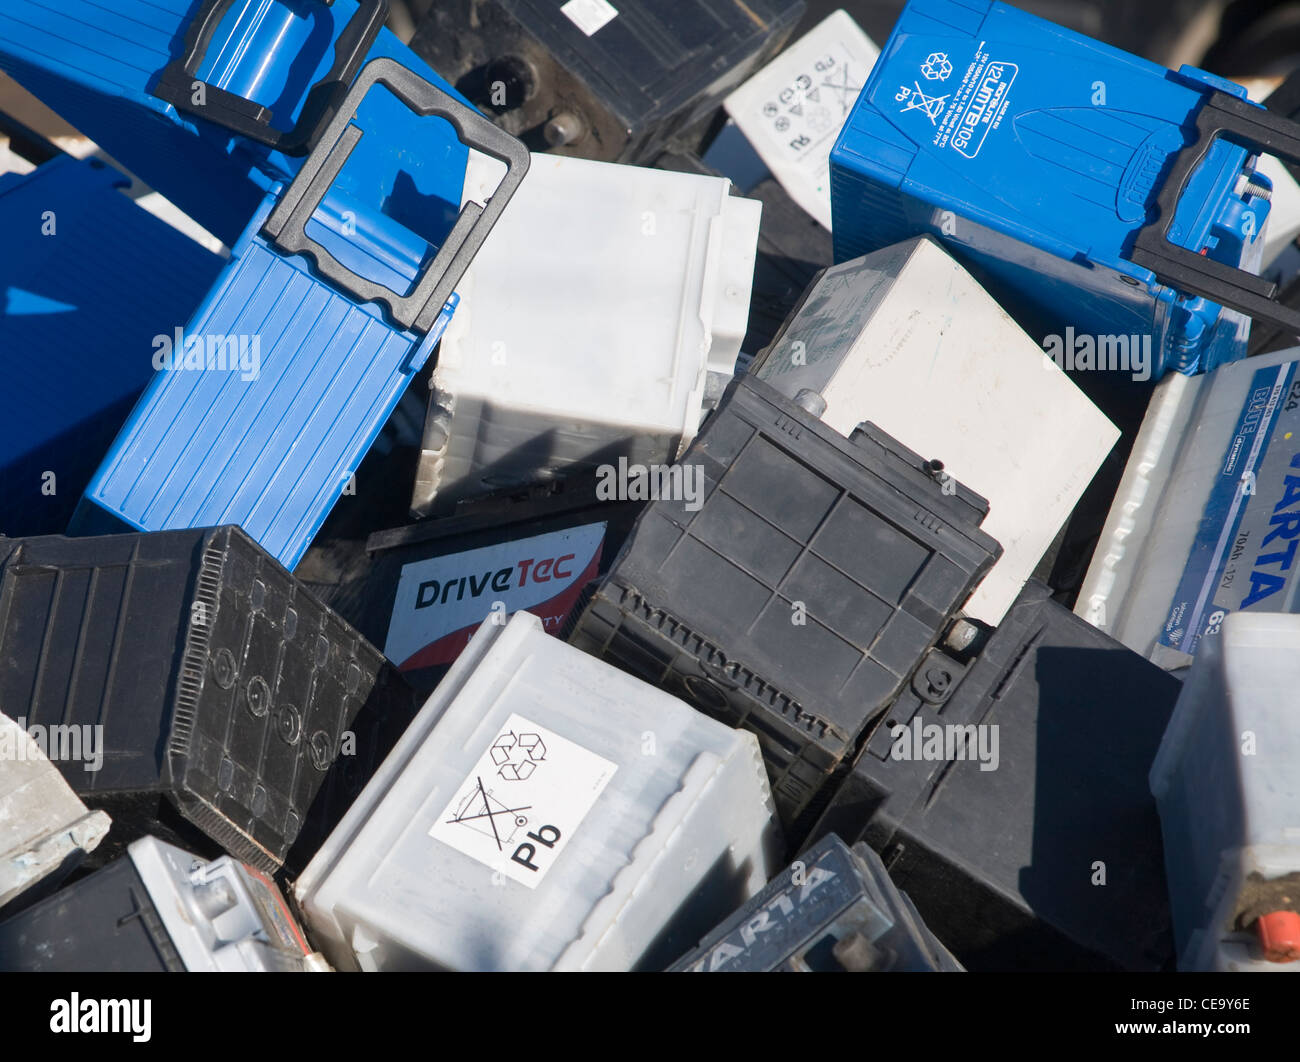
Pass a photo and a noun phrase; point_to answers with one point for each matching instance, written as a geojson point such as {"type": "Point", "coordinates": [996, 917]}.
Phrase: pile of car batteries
{"type": "Point", "coordinates": [643, 486]}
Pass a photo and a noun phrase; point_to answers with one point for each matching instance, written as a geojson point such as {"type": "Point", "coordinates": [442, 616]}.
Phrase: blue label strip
{"type": "Point", "coordinates": [1226, 507]}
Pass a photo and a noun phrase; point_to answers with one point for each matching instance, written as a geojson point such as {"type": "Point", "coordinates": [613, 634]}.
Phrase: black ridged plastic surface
{"type": "Point", "coordinates": [803, 592]}
{"type": "Point", "coordinates": [219, 680]}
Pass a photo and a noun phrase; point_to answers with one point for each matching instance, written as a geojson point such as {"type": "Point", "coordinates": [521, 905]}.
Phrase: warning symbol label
{"type": "Point", "coordinates": [792, 110]}
{"type": "Point", "coordinates": [913, 99]}
{"type": "Point", "coordinates": [525, 798]}
{"type": "Point", "coordinates": [480, 810]}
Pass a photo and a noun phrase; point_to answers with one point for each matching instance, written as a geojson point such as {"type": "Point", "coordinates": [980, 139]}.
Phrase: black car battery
{"type": "Point", "coordinates": [187, 665]}
{"type": "Point", "coordinates": [159, 909]}
{"type": "Point", "coordinates": [833, 909]}
{"type": "Point", "coordinates": [1012, 806]}
{"type": "Point", "coordinates": [798, 584]}
{"type": "Point", "coordinates": [612, 83]}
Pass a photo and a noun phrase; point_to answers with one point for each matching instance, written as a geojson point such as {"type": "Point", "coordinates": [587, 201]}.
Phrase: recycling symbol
{"type": "Point", "coordinates": [937, 67]}
{"type": "Point", "coordinates": [517, 755]}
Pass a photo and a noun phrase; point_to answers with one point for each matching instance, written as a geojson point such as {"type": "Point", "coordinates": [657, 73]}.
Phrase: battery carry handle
{"type": "Point", "coordinates": [1248, 126]}
{"type": "Point", "coordinates": [177, 83]}
{"type": "Point", "coordinates": [286, 225]}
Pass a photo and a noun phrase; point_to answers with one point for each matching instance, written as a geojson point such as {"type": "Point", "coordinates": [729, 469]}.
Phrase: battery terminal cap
{"type": "Point", "coordinates": [1279, 935]}
{"type": "Point", "coordinates": [810, 400]}
{"type": "Point", "coordinates": [564, 128]}
{"type": "Point", "coordinates": [934, 469]}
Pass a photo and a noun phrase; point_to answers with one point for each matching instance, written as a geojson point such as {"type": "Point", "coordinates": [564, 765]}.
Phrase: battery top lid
{"type": "Point", "coordinates": [1033, 129]}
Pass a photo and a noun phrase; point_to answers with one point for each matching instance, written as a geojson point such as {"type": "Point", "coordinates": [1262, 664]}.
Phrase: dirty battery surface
{"type": "Point", "coordinates": [833, 909]}
{"type": "Point", "coordinates": [160, 909]}
{"type": "Point", "coordinates": [609, 82]}
{"type": "Point", "coordinates": [1226, 783]}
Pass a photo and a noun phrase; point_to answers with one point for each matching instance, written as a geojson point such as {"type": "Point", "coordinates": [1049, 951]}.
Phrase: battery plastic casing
{"type": "Point", "coordinates": [1227, 782]}
{"type": "Point", "coordinates": [833, 909]}
{"type": "Point", "coordinates": [283, 376]}
{"type": "Point", "coordinates": [44, 828]}
{"type": "Point", "coordinates": [907, 329]}
{"type": "Point", "coordinates": [213, 677]}
{"type": "Point", "coordinates": [100, 67]}
{"type": "Point", "coordinates": [1205, 520]}
{"type": "Point", "coordinates": [1037, 155]}
{"type": "Point", "coordinates": [544, 812]}
{"type": "Point", "coordinates": [547, 372]}
{"type": "Point", "coordinates": [88, 279]}
{"type": "Point", "coordinates": [160, 909]}
{"type": "Point", "coordinates": [603, 81]}
{"type": "Point", "coordinates": [789, 581]}
{"type": "Point", "coordinates": [1011, 804]}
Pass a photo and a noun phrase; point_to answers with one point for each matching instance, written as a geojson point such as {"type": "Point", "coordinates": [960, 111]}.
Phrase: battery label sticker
{"type": "Point", "coordinates": [1243, 557]}
{"type": "Point", "coordinates": [778, 928]}
{"type": "Point", "coordinates": [441, 601]}
{"type": "Point", "coordinates": [792, 110]}
{"type": "Point", "coordinates": [589, 15]}
{"type": "Point", "coordinates": [523, 801]}
{"type": "Point", "coordinates": [962, 110]}
{"type": "Point", "coordinates": [276, 919]}
{"type": "Point", "coordinates": [983, 111]}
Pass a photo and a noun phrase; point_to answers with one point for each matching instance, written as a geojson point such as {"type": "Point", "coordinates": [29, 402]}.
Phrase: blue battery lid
{"type": "Point", "coordinates": [1036, 131]}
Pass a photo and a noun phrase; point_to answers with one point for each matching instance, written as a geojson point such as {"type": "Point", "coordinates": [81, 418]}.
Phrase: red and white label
{"type": "Point", "coordinates": [443, 600]}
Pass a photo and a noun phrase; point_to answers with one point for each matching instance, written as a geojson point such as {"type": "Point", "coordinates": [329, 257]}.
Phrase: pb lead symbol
{"type": "Point", "coordinates": [913, 99]}
{"type": "Point", "coordinates": [517, 755]}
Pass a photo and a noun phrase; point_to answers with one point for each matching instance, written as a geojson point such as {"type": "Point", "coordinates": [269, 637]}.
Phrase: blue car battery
{"type": "Point", "coordinates": [267, 399]}
{"type": "Point", "coordinates": [87, 274]}
{"type": "Point", "coordinates": [211, 102]}
{"type": "Point", "coordinates": [1094, 192]}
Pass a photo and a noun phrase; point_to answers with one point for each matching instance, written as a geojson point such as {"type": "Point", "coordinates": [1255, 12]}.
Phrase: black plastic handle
{"type": "Point", "coordinates": [1248, 126]}
{"type": "Point", "coordinates": [177, 82]}
{"type": "Point", "coordinates": [286, 225]}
